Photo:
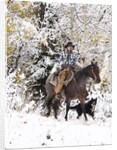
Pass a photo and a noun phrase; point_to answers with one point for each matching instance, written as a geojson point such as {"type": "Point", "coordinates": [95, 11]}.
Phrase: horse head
{"type": "Point", "coordinates": [94, 71]}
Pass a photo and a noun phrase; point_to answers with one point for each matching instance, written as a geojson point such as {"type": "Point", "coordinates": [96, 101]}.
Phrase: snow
{"type": "Point", "coordinates": [26, 126]}
{"type": "Point", "coordinates": [54, 69]}
{"type": "Point", "coordinates": [33, 130]}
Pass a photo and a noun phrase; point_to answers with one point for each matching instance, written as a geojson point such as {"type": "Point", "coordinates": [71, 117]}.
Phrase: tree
{"type": "Point", "coordinates": [38, 31]}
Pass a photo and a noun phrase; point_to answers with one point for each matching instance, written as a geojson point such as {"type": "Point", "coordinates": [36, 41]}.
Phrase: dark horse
{"type": "Point", "coordinates": [76, 89]}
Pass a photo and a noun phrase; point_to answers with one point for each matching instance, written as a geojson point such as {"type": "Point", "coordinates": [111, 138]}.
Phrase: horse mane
{"type": "Point", "coordinates": [82, 72]}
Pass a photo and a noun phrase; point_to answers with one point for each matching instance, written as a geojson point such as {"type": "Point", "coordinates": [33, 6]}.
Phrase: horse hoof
{"type": "Point", "coordinates": [47, 115]}
{"type": "Point", "coordinates": [56, 117]}
{"type": "Point", "coordinates": [65, 118]}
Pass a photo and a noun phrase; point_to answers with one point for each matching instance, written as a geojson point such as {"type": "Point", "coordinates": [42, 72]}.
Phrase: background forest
{"type": "Point", "coordinates": [36, 33]}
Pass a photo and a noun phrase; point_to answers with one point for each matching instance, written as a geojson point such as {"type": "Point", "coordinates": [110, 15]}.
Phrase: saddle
{"type": "Point", "coordinates": [63, 77]}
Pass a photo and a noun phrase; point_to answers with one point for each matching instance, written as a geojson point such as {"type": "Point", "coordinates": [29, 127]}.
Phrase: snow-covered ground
{"type": "Point", "coordinates": [34, 130]}
{"type": "Point", "coordinates": [25, 126]}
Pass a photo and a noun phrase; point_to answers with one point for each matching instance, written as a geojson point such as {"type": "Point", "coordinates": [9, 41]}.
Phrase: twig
{"type": "Point", "coordinates": [102, 16]}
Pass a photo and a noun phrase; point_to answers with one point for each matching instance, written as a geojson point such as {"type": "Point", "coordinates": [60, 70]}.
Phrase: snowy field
{"type": "Point", "coordinates": [33, 130]}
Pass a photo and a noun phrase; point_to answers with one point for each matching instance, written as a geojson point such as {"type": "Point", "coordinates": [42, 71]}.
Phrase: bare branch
{"type": "Point", "coordinates": [102, 16]}
{"type": "Point", "coordinates": [78, 19]}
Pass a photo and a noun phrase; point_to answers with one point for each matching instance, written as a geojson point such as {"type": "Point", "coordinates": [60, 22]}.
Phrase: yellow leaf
{"type": "Point", "coordinates": [15, 6]}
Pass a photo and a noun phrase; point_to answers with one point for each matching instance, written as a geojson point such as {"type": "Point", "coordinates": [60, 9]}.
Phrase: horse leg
{"type": "Point", "coordinates": [48, 105]}
{"type": "Point", "coordinates": [84, 111]}
{"type": "Point", "coordinates": [49, 111]}
{"type": "Point", "coordinates": [67, 109]}
{"type": "Point", "coordinates": [93, 116]}
{"type": "Point", "coordinates": [55, 106]}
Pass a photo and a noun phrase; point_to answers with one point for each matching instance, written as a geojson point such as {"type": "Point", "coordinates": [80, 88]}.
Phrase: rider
{"type": "Point", "coordinates": [67, 59]}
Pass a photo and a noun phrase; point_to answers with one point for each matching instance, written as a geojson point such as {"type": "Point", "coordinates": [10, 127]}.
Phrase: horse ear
{"type": "Point", "coordinates": [93, 62]}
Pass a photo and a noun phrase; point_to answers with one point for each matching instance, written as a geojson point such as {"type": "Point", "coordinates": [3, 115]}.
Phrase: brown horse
{"type": "Point", "coordinates": [76, 89]}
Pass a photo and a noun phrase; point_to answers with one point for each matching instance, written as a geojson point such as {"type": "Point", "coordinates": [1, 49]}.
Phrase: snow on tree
{"type": "Point", "coordinates": [37, 32]}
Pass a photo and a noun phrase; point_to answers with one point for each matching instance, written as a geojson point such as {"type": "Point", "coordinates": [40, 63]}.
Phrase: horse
{"type": "Point", "coordinates": [76, 89]}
